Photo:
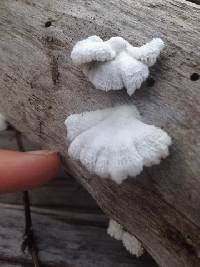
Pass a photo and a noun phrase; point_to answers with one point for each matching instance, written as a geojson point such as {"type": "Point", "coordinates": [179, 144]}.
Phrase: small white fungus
{"type": "Point", "coordinates": [130, 242]}
{"type": "Point", "coordinates": [115, 64]}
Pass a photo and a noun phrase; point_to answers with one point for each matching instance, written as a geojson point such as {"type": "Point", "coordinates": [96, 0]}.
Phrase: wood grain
{"type": "Point", "coordinates": [4, 264]}
{"type": "Point", "coordinates": [61, 244]}
{"type": "Point", "coordinates": [56, 200]}
{"type": "Point", "coordinates": [40, 87]}
{"type": "Point", "coordinates": [63, 192]}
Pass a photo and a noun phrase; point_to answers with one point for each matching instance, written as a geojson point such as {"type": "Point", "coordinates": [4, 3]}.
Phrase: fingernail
{"type": "Point", "coordinates": [42, 152]}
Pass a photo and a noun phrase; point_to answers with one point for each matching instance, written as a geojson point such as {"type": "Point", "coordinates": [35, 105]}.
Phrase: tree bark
{"type": "Point", "coordinates": [40, 87]}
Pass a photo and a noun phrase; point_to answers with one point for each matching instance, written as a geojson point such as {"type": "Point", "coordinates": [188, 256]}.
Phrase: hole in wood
{"type": "Point", "coordinates": [150, 81]}
{"type": "Point", "coordinates": [47, 24]}
{"type": "Point", "coordinates": [194, 77]}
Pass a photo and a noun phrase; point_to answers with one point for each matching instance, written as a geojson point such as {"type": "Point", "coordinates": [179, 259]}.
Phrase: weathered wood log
{"type": "Point", "coordinates": [40, 87]}
{"type": "Point", "coordinates": [57, 203]}
{"type": "Point", "coordinates": [76, 245]}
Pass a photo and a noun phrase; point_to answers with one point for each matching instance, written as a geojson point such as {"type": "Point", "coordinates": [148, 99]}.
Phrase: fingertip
{"type": "Point", "coordinates": [25, 170]}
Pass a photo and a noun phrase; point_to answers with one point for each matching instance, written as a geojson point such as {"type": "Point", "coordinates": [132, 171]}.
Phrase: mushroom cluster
{"type": "Point", "coordinates": [114, 142]}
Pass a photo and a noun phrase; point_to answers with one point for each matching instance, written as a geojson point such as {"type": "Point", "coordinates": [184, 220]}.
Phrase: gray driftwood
{"type": "Point", "coordinates": [60, 243]}
{"type": "Point", "coordinates": [40, 87]}
{"type": "Point", "coordinates": [56, 207]}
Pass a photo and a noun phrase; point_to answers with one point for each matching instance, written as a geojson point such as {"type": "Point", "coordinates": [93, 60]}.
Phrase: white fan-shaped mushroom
{"type": "Point", "coordinates": [3, 123]}
{"type": "Point", "coordinates": [130, 242]}
{"type": "Point", "coordinates": [115, 64]}
{"type": "Point", "coordinates": [114, 142]}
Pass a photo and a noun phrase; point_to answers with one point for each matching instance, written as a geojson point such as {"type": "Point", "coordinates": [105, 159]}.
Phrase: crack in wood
{"type": "Point", "coordinates": [54, 69]}
{"type": "Point", "coordinates": [177, 237]}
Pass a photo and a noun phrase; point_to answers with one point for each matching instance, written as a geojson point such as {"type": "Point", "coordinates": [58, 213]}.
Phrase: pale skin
{"type": "Point", "coordinates": [26, 170]}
